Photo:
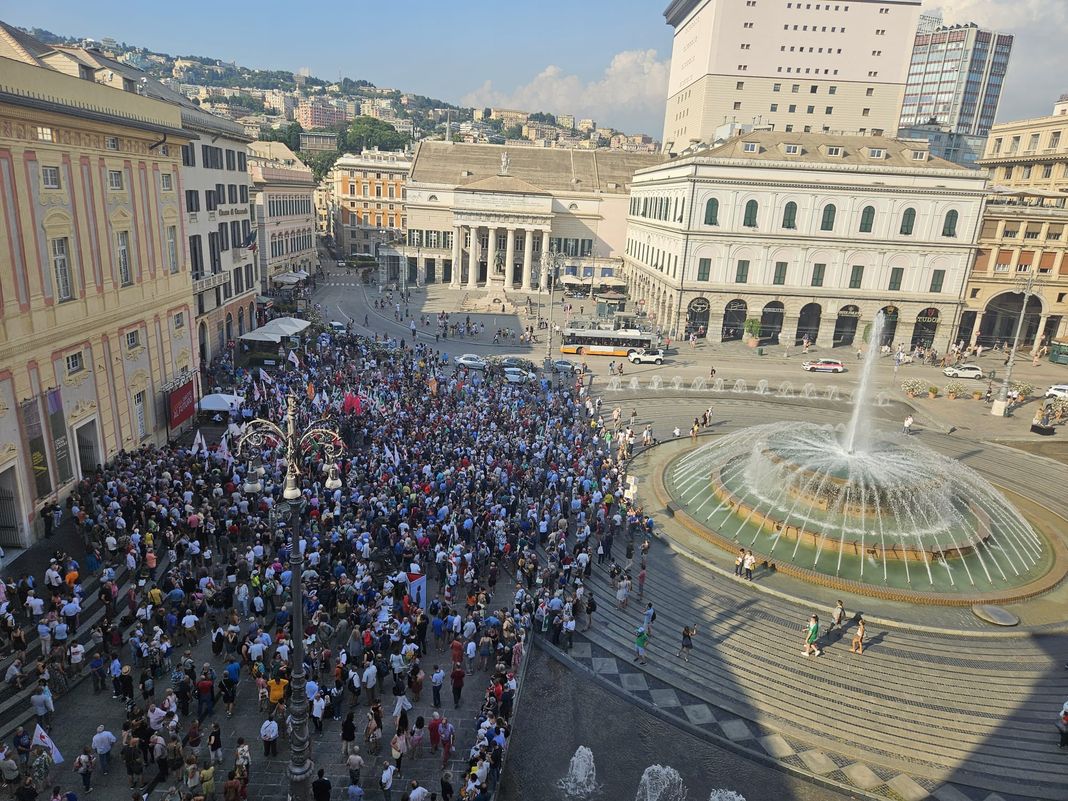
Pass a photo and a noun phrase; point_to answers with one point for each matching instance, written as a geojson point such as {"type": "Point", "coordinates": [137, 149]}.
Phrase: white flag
{"type": "Point", "coordinates": [256, 392]}
{"type": "Point", "coordinates": [198, 444]}
{"type": "Point", "coordinates": [264, 377]}
{"type": "Point", "coordinates": [292, 358]}
{"type": "Point", "coordinates": [42, 739]}
{"type": "Point", "coordinates": [224, 450]}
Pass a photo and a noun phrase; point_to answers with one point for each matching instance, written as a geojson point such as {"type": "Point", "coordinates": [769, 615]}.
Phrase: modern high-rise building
{"type": "Point", "coordinates": [954, 86]}
{"type": "Point", "coordinates": [784, 65]}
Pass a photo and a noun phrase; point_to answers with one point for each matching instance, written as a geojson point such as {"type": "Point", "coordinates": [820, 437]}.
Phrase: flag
{"type": "Point", "coordinates": [250, 240]}
{"type": "Point", "coordinates": [292, 357]}
{"type": "Point", "coordinates": [43, 740]}
{"type": "Point", "coordinates": [256, 392]}
{"type": "Point", "coordinates": [311, 391]}
{"type": "Point", "coordinates": [264, 377]}
{"type": "Point", "coordinates": [224, 450]}
{"type": "Point", "coordinates": [198, 444]}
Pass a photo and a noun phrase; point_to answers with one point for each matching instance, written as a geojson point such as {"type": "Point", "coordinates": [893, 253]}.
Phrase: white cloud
{"type": "Point", "coordinates": [629, 95]}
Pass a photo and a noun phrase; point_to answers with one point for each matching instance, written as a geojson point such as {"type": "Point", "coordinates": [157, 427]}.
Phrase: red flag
{"type": "Point", "coordinates": [357, 405]}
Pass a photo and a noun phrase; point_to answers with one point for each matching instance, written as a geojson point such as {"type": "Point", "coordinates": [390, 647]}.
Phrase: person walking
{"type": "Point", "coordinates": [641, 639]}
{"type": "Point", "coordinates": [857, 646]}
{"type": "Point", "coordinates": [837, 616]}
{"type": "Point", "coordinates": [348, 734]}
{"type": "Point", "coordinates": [385, 781]}
{"type": "Point", "coordinates": [749, 564]}
{"type": "Point", "coordinates": [83, 766]}
{"type": "Point", "coordinates": [437, 679]}
{"type": "Point", "coordinates": [103, 742]}
{"type": "Point", "coordinates": [321, 787]}
{"type": "Point", "coordinates": [906, 426]}
{"type": "Point", "coordinates": [688, 633]}
{"type": "Point", "coordinates": [812, 636]}
{"type": "Point", "coordinates": [269, 735]}
{"type": "Point", "coordinates": [457, 677]}
{"type": "Point", "coordinates": [648, 617]}
{"type": "Point", "coordinates": [591, 607]}
{"type": "Point", "coordinates": [447, 736]}
{"type": "Point", "coordinates": [739, 563]}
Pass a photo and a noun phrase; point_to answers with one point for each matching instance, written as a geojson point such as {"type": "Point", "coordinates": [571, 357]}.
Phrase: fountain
{"type": "Point", "coordinates": [581, 779]}
{"type": "Point", "coordinates": [786, 390]}
{"type": "Point", "coordinates": [660, 783]}
{"type": "Point", "coordinates": [859, 504]}
{"type": "Point", "coordinates": [699, 384]}
{"type": "Point", "coordinates": [717, 385]}
{"type": "Point", "coordinates": [676, 382]}
{"type": "Point", "coordinates": [656, 383]}
{"type": "Point", "coordinates": [740, 386]}
{"type": "Point", "coordinates": [634, 384]}
{"type": "Point", "coordinates": [725, 795]}
{"type": "Point", "coordinates": [762, 387]}
{"type": "Point", "coordinates": [808, 391]}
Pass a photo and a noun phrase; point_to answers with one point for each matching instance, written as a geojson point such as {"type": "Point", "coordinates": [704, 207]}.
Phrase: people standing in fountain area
{"type": "Point", "coordinates": [857, 646]}
{"type": "Point", "coordinates": [906, 426]}
{"type": "Point", "coordinates": [750, 563]}
{"type": "Point", "coordinates": [837, 616]}
{"type": "Point", "coordinates": [688, 633]}
{"type": "Point", "coordinates": [812, 637]}
{"type": "Point", "coordinates": [739, 563]}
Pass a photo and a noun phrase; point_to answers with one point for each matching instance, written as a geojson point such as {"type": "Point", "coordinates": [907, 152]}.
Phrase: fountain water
{"type": "Point", "coordinates": [740, 386]}
{"type": "Point", "coordinates": [808, 391]}
{"type": "Point", "coordinates": [786, 389]}
{"type": "Point", "coordinates": [860, 397]}
{"type": "Point", "coordinates": [660, 783]}
{"type": "Point", "coordinates": [634, 384]}
{"type": "Point", "coordinates": [581, 779]}
{"type": "Point", "coordinates": [725, 795]}
{"type": "Point", "coordinates": [676, 382]}
{"type": "Point", "coordinates": [717, 385]}
{"type": "Point", "coordinates": [762, 386]}
{"type": "Point", "coordinates": [698, 384]}
{"type": "Point", "coordinates": [656, 383]}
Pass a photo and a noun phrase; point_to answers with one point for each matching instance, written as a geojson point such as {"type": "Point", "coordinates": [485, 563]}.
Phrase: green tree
{"type": "Point", "coordinates": [320, 163]}
{"type": "Point", "coordinates": [368, 132]}
{"type": "Point", "coordinates": [513, 131]}
{"type": "Point", "coordinates": [290, 134]}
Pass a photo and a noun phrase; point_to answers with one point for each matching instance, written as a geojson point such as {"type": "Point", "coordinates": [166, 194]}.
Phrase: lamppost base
{"type": "Point", "coordinates": [300, 781]}
{"type": "Point", "coordinates": [997, 408]}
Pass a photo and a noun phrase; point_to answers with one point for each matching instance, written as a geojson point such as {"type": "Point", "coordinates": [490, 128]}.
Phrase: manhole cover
{"type": "Point", "coordinates": [995, 615]}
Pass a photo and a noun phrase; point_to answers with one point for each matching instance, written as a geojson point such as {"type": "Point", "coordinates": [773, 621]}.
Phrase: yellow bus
{"type": "Point", "coordinates": [596, 342]}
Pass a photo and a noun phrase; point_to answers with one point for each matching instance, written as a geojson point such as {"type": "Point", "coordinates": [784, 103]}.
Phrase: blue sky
{"type": "Point", "coordinates": [605, 59]}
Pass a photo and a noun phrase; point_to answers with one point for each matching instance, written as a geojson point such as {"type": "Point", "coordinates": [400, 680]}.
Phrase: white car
{"type": "Point", "coordinates": [471, 361]}
{"type": "Point", "coordinates": [1057, 391]}
{"type": "Point", "coordinates": [823, 366]}
{"type": "Point", "coordinates": [964, 371]}
{"type": "Point", "coordinates": [564, 366]}
{"type": "Point", "coordinates": [514, 375]}
{"type": "Point", "coordinates": [644, 356]}
{"type": "Point", "coordinates": [337, 326]}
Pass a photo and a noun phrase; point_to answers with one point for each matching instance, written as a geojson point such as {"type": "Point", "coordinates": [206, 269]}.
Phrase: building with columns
{"type": "Point", "coordinates": [808, 235]}
{"type": "Point", "coordinates": [489, 216]}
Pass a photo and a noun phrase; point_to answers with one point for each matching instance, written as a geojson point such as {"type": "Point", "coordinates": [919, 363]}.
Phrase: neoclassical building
{"type": "Point", "coordinates": [810, 235]}
{"type": "Point", "coordinates": [486, 215]}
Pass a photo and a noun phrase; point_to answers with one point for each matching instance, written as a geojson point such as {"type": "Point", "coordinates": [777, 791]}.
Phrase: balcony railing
{"type": "Point", "coordinates": [209, 282]}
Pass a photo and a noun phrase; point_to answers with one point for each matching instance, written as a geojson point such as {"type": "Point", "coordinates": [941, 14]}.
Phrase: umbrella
{"type": "Point", "coordinates": [220, 402]}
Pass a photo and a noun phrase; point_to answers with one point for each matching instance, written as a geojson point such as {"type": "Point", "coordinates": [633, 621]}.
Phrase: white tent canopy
{"type": "Point", "coordinates": [259, 335]}
{"type": "Point", "coordinates": [221, 402]}
{"type": "Point", "coordinates": [285, 325]}
{"type": "Point", "coordinates": [287, 278]}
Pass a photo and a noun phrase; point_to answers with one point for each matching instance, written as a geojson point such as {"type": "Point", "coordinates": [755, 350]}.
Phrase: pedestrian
{"type": "Point", "coordinates": [648, 617]}
{"type": "Point", "coordinates": [837, 616]}
{"type": "Point", "coordinates": [103, 742]}
{"type": "Point", "coordinates": [348, 734]}
{"type": "Point", "coordinates": [750, 563]}
{"type": "Point", "coordinates": [269, 735]}
{"type": "Point", "coordinates": [906, 426]}
{"type": "Point", "coordinates": [437, 679]}
{"type": "Point", "coordinates": [83, 766]}
{"type": "Point", "coordinates": [385, 781]}
{"type": "Point", "coordinates": [321, 787]}
{"type": "Point", "coordinates": [591, 607]}
{"type": "Point", "coordinates": [457, 677]}
{"type": "Point", "coordinates": [641, 639]}
{"type": "Point", "coordinates": [812, 636]}
{"type": "Point", "coordinates": [215, 744]}
{"type": "Point", "coordinates": [641, 582]}
{"type": "Point", "coordinates": [688, 633]}
{"type": "Point", "coordinates": [1062, 726]}
{"type": "Point", "coordinates": [857, 646]}
{"type": "Point", "coordinates": [739, 563]}
{"type": "Point", "coordinates": [447, 733]}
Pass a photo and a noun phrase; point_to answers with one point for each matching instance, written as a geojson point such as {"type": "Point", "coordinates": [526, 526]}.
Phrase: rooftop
{"type": "Point", "coordinates": [545, 169]}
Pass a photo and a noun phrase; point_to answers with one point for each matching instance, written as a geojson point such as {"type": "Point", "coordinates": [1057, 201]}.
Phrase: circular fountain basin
{"type": "Point", "coordinates": [889, 514]}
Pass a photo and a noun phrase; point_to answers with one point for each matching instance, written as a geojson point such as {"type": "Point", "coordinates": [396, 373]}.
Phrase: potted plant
{"type": "Point", "coordinates": [1024, 390]}
{"type": "Point", "coordinates": [751, 329]}
{"type": "Point", "coordinates": [932, 392]}
{"type": "Point", "coordinates": [913, 386]}
{"type": "Point", "coordinates": [1059, 408]}
{"type": "Point", "coordinates": [953, 389]}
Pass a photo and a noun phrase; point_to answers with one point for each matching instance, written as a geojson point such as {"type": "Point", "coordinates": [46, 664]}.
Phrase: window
{"type": "Point", "coordinates": [115, 180]}
{"type": "Point", "coordinates": [196, 257]}
{"type": "Point", "coordinates": [870, 91]}
{"type": "Point", "coordinates": [776, 87]}
{"type": "Point", "coordinates": [50, 177]}
{"type": "Point", "coordinates": [133, 339]}
{"type": "Point", "coordinates": [867, 219]}
{"type": "Point", "coordinates": [949, 227]}
{"type": "Point", "coordinates": [45, 134]}
{"type": "Point", "coordinates": [780, 273]}
{"type": "Point", "coordinates": [750, 220]}
{"type": "Point", "coordinates": [242, 193]}
{"type": "Point", "coordinates": [908, 221]}
{"type": "Point", "coordinates": [179, 321]}
{"type": "Point", "coordinates": [1047, 171]}
{"type": "Point", "coordinates": [712, 212]}
{"type": "Point", "coordinates": [817, 274]}
{"type": "Point", "coordinates": [789, 215]}
{"type": "Point", "coordinates": [75, 363]}
{"type": "Point", "coordinates": [122, 245]}
{"type": "Point", "coordinates": [793, 150]}
{"type": "Point", "coordinates": [856, 276]}
{"type": "Point", "coordinates": [231, 160]}
{"type": "Point", "coordinates": [139, 414]}
{"type": "Point", "coordinates": [172, 248]}
{"type": "Point", "coordinates": [834, 150]}
{"type": "Point", "coordinates": [876, 152]}
{"type": "Point", "coordinates": [165, 180]}
{"type": "Point", "coordinates": [938, 277]}
{"type": "Point", "coordinates": [192, 200]}
{"type": "Point", "coordinates": [832, 90]}
{"type": "Point", "coordinates": [774, 107]}
{"type": "Point", "coordinates": [810, 109]}
{"type": "Point", "coordinates": [737, 105]}
{"type": "Point", "coordinates": [749, 147]}
{"type": "Point", "coordinates": [828, 110]}
{"type": "Point", "coordinates": [189, 155]}
{"type": "Point", "coordinates": [1008, 172]}
{"type": "Point", "coordinates": [896, 275]}
{"type": "Point", "coordinates": [740, 85]}
{"type": "Point", "coordinates": [111, 142]}
{"type": "Point", "coordinates": [791, 108]}
{"type": "Point", "coordinates": [827, 223]}
{"type": "Point", "coordinates": [741, 275]}
{"type": "Point", "coordinates": [61, 267]}
{"type": "Point", "coordinates": [704, 268]}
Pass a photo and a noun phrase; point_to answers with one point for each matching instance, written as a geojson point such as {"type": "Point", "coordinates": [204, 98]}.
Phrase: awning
{"type": "Point", "coordinates": [265, 301]}
{"type": "Point", "coordinates": [302, 274]}
{"type": "Point", "coordinates": [571, 279]}
{"type": "Point", "coordinates": [287, 279]}
{"type": "Point", "coordinates": [259, 335]}
{"type": "Point", "coordinates": [611, 280]}
{"type": "Point", "coordinates": [611, 296]}
{"type": "Point", "coordinates": [221, 402]}
{"type": "Point", "coordinates": [285, 325]}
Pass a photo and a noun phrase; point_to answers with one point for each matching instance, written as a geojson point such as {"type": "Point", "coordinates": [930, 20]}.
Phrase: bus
{"type": "Point", "coordinates": [600, 342]}
{"type": "Point", "coordinates": [1058, 351]}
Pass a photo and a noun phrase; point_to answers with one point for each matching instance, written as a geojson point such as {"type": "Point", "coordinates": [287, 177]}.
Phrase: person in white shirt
{"type": "Point", "coordinates": [103, 742]}
{"type": "Point", "coordinates": [386, 780]}
{"type": "Point", "coordinates": [418, 793]}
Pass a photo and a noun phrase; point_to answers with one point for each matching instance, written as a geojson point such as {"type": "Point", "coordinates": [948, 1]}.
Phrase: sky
{"type": "Point", "coordinates": [603, 59]}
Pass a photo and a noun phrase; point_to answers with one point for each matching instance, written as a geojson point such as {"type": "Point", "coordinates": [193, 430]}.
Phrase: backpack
{"type": "Point", "coordinates": [653, 618]}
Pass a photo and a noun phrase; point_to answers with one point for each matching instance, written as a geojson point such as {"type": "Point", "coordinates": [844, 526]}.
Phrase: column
{"type": "Point", "coordinates": [457, 255]}
{"type": "Point", "coordinates": [788, 334]}
{"type": "Point", "coordinates": [472, 259]}
{"type": "Point", "coordinates": [509, 259]}
{"type": "Point", "coordinates": [1038, 331]}
{"type": "Point", "coordinates": [543, 278]}
{"type": "Point", "coordinates": [528, 258]}
{"type": "Point", "coordinates": [491, 255]}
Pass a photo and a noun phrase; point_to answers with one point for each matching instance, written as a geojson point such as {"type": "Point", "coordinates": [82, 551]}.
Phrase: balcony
{"type": "Point", "coordinates": [209, 282]}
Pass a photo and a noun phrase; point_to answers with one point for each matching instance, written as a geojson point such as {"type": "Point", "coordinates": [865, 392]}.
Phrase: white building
{"type": "Point", "coordinates": [793, 65]}
{"type": "Point", "coordinates": [482, 215]}
{"type": "Point", "coordinates": [283, 206]}
{"type": "Point", "coordinates": [810, 235]}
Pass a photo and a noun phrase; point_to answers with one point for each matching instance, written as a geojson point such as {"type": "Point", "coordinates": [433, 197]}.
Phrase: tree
{"type": "Point", "coordinates": [543, 117]}
{"type": "Point", "coordinates": [368, 132]}
{"type": "Point", "coordinates": [320, 163]}
{"type": "Point", "coordinates": [290, 134]}
{"type": "Point", "coordinates": [513, 131]}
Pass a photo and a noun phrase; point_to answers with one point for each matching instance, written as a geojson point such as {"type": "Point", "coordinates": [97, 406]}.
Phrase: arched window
{"type": "Point", "coordinates": [712, 212]}
{"type": "Point", "coordinates": [949, 227]}
{"type": "Point", "coordinates": [751, 209]}
{"type": "Point", "coordinates": [789, 215]}
{"type": "Point", "coordinates": [827, 223]}
{"type": "Point", "coordinates": [867, 219]}
{"type": "Point", "coordinates": [908, 221]}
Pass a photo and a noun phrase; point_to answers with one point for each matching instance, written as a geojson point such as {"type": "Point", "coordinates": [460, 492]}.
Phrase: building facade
{"type": "Point", "coordinates": [811, 236]}
{"type": "Point", "coordinates": [95, 295]}
{"type": "Point", "coordinates": [786, 65]}
{"type": "Point", "coordinates": [319, 114]}
{"type": "Point", "coordinates": [283, 210]}
{"type": "Point", "coordinates": [367, 200]}
{"type": "Point", "coordinates": [954, 85]}
{"type": "Point", "coordinates": [1024, 234]}
{"type": "Point", "coordinates": [487, 215]}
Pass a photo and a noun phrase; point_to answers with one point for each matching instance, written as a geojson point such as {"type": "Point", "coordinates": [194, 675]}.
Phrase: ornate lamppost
{"type": "Point", "coordinates": [550, 262]}
{"type": "Point", "coordinates": [321, 436]}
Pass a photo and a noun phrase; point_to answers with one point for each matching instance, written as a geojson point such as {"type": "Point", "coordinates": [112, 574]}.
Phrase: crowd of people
{"type": "Point", "coordinates": [470, 514]}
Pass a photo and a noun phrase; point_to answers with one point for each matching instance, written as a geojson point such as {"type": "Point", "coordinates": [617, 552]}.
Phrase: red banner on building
{"type": "Point", "coordinates": [180, 405]}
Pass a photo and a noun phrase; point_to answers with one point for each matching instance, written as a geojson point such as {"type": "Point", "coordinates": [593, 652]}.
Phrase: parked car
{"type": "Point", "coordinates": [823, 366]}
{"type": "Point", "coordinates": [514, 375]}
{"type": "Point", "coordinates": [643, 356]}
{"type": "Point", "coordinates": [566, 367]}
{"type": "Point", "coordinates": [1057, 391]}
{"type": "Point", "coordinates": [516, 361]}
{"type": "Point", "coordinates": [337, 326]}
{"type": "Point", "coordinates": [472, 361]}
{"type": "Point", "coordinates": [964, 371]}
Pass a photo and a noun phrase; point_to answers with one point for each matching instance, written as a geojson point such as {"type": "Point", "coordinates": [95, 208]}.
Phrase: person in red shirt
{"type": "Point", "coordinates": [457, 677]}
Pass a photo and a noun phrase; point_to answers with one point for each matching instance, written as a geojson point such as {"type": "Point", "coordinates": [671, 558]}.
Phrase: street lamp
{"type": "Point", "coordinates": [550, 262]}
{"type": "Point", "coordinates": [321, 437]}
{"type": "Point", "coordinates": [1000, 407]}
